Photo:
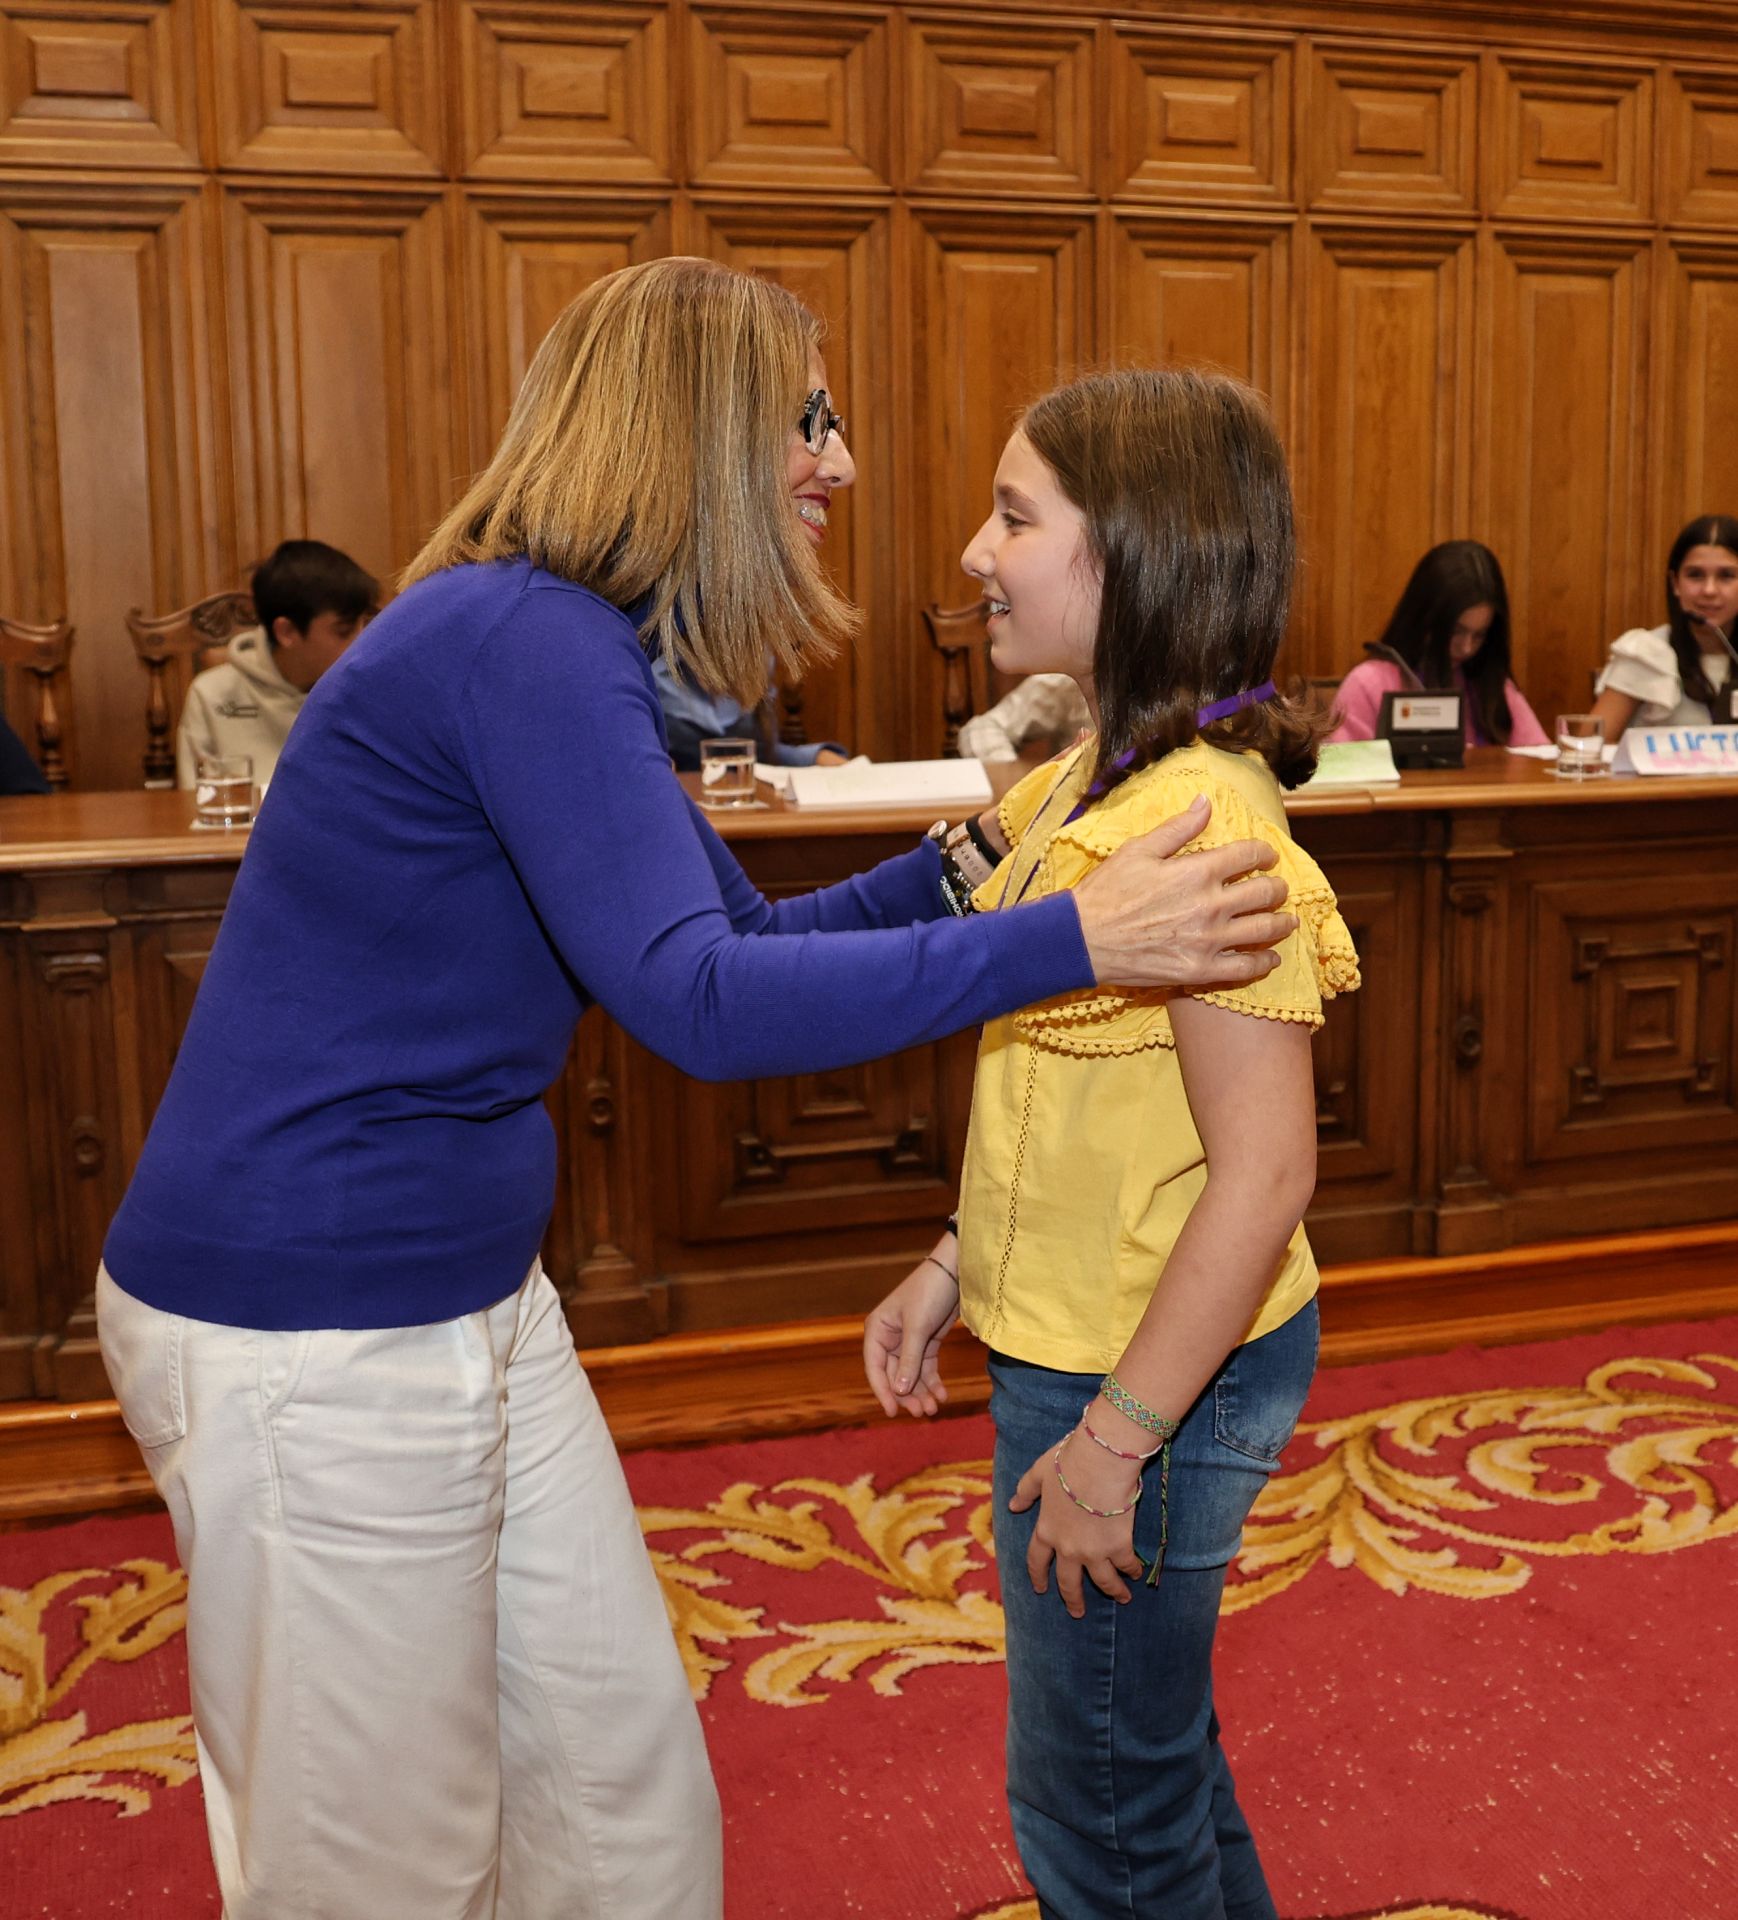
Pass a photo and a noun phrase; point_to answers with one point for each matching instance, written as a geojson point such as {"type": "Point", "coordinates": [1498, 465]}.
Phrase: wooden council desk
{"type": "Point", "coordinates": [1543, 1047]}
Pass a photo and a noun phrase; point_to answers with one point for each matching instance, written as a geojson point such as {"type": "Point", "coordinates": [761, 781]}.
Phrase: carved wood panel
{"type": "Point", "coordinates": [77, 1169]}
{"type": "Point", "coordinates": [838, 263]}
{"type": "Point", "coordinates": [21, 1222]}
{"type": "Point", "coordinates": [1393, 128]}
{"type": "Point", "coordinates": [1200, 116]}
{"type": "Point", "coordinates": [112, 442]}
{"type": "Point", "coordinates": [1699, 146]}
{"type": "Point", "coordinates": [1696, 395]}
{"type": "Point", "coordinates": [773, 1157]}
{"type": "Point", "coordinates": [1189, 291]}
{"type": "Point", "coordinates": [1569, 139]}
{"type": "Point", "coordinates": [1386, 407]}
{"type": "Point", "coordinates": [527, 256]}
{"type": "Point", "coordinates": [772, 108]}
{"type": "Point", "coordinates": [565, 93]}
{"type": "Point", "coordinates": [332, 89]}
{"type": "Point", "coordinates": [344, 409]}
{"type": "Point", "coordinates": [1633, 996]}
{"type": "Point", "coordinates": [1002, 110]}
{"type": "Point", "coordinates": [168, 962]}
{"type": "Point", "coordinates": [1003, 311]}
{"type": "Point", "coordinates": [599, 1249]}
{"type": "Point", "coordinates": [98, 85]}
{"type": "Point", "coordinates": [1557, 486]}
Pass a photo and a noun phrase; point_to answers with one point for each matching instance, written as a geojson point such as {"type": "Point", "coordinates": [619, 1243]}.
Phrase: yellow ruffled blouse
{"type": "Point", "coordinates": [1082, 1160]}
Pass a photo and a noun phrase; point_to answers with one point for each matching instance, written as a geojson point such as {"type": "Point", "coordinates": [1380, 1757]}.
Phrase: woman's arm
{"type": "Point", "coordinates": [1252, 1095]}
{"type": "Point", "coordinates": [559, 731]}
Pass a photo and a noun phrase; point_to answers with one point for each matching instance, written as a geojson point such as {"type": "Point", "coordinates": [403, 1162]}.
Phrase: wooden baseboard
{"type": "Point", "coordinates": [690, 1389]}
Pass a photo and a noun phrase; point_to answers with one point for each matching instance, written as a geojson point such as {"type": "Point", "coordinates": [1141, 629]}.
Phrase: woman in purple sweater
{"type": "Point", "coordinates": [431, 1673]}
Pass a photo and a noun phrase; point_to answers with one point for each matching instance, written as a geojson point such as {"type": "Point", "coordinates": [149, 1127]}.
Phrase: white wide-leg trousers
{"type": "Point", "coordinates": [432, 1674]}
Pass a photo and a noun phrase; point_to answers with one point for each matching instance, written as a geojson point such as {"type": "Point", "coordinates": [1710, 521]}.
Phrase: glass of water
{"type": "Point", "coordinates": [1580, 747]}
{"type": "Point", "coordinates": [223, 793]}
{"type": "Point", "coordinates": [727, 773]}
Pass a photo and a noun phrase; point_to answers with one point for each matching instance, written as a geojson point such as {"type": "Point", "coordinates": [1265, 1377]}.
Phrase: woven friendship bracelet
{"type": "Point", "coordinates": [1165, 1428]}
{"type": "Point", "coordinates": [1143, 1416]}
{"type": "Point", "coordinates": [1098, 1513]}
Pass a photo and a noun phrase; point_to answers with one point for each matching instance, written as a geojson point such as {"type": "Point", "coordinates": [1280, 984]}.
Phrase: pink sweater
{"type": "Point", "coordinates": [1358, 707]}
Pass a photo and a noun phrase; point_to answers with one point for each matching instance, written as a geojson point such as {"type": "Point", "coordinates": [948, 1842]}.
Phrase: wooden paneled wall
{"type": "Point", "coordinates": [271, 269]}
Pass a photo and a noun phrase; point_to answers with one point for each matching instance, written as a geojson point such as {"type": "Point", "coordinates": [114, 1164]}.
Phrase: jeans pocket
{"type": "Point", "coordinates": [141, 1349]}
{"type": "Point", "coordinates": [1261, 1389]}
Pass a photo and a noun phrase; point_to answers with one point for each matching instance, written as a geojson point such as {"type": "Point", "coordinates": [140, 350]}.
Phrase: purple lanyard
{"type": "Point", "coordinates": [1219, 710]}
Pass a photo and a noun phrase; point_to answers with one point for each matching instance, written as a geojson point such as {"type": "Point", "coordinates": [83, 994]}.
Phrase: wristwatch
{"type": "Point", "coordinates": [965, 864]}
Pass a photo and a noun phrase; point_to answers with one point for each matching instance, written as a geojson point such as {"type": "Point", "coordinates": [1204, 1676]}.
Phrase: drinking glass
{"type": "Point", "coordinates": [1580, 747]}
{"type": "Point", "coordinates": [727, 773]}
{"type": "Point", "coordinates": [223, 793]}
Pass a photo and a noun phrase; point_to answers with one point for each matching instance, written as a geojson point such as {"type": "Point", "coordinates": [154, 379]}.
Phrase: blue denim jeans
{"type": "Point", "coordinates": [1121, 1796]}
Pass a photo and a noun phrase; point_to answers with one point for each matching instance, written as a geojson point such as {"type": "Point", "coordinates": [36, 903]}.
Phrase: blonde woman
{"type": "Point", "coordinates": [430, 1670]}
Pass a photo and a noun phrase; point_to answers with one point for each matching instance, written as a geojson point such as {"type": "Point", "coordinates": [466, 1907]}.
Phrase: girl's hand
{"type": "Point", "coordinates": [1076, 1540]}
{"type": "Point", "coordinates": [902, 1337]}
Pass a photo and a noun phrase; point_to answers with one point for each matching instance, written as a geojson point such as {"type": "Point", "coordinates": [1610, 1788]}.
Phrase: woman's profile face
{"type": "Point", "coordinates": [1470, 631]}
{"type": "Point", "coordinates": [1030, 557]}
{"type": "Point", "coordinates": [815, 477]}
{"type": "Point", "coordinates": [1706, 586]}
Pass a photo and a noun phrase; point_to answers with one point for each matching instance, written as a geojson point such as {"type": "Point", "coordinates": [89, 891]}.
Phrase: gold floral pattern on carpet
{"type": "Point", "coordinates": [1428, 1494]}
{"type": "Point", "coordinates": [45, 1758]}
{"type": "Point", "coordinates": [915, 1542]}
{"type": "Point", "coordinates": [1633, 1433]}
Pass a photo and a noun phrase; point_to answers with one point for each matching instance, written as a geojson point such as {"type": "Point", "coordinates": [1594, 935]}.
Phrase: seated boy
{"type": "Point", "coordinates": [312, 601]}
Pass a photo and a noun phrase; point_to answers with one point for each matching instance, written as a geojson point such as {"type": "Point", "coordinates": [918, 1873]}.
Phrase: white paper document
{"type": "Point", "coordinates": [942, 784]}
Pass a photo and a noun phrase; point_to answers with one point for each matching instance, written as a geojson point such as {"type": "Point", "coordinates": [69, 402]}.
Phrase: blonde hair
{"type": "Point", "coordinates": [644, 458]}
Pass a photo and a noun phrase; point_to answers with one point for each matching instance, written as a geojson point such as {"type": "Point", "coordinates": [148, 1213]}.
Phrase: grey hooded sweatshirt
{"type": "Point", "coordinates": [244, 706]}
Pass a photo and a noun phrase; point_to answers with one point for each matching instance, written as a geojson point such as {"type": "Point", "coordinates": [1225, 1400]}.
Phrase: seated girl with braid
{"type": "Point", "coordinates": [1128, 1243]}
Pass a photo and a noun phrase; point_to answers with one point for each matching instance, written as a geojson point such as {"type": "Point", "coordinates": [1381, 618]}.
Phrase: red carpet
{"type": "Point", "coordinates": [1478, 1662]}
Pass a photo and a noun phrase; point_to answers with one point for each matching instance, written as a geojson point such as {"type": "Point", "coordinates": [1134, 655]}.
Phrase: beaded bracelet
{"type": "Point", "coordinates": [1098, 1513]}
{"type": "Point", "coordinates": [1098, 1440]}
{"type": "Point", "coordinates": [1161, 1424]}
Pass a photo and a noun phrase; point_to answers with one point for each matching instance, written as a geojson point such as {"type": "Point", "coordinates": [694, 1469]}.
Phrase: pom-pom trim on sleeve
{"type": "Point", "coordinates": [1095, 1021]}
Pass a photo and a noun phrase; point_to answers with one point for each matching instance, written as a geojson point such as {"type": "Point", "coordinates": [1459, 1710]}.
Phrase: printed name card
{"type": "Point", "coordinates": [1678, 750]}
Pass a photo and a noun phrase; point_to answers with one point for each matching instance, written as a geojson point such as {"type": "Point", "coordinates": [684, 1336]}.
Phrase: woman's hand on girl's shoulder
{"type": "Point", "coordinates": [902, 1337]}
{"type": "Point", "coordinates": [1100, 1546]}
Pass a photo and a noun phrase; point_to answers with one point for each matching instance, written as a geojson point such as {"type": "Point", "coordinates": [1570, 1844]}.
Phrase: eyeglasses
{"type": "Point", "coordinates": [819, 420]}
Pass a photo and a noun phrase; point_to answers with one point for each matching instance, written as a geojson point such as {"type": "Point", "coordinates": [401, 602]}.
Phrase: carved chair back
{"type": "Point", "coordinates": [172, 648]}
{"type": "Point", "coordinates": [33, 662]}
{"type": "Point", "coordinates": [958, 634]}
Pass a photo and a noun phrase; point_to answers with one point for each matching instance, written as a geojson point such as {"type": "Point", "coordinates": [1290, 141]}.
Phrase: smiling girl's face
{"type": "Point", "coordinates": [1706, 585]}
{"type": "Point", "coordinates": [1031, 559]}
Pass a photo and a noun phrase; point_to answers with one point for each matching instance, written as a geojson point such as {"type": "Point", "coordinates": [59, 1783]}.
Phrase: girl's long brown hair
{"type": "Point", "coordinates": [1183, 486]}
{"type": "Point", "coordinates": [644, 458]}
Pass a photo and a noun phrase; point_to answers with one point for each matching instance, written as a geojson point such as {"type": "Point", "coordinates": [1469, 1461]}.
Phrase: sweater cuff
{"type": "Point", "coordinates": [908, 887]}
{"type": "Point", "coordinates": [1038, 951]}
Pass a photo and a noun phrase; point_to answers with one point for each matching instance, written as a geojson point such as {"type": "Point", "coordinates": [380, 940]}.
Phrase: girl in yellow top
{"type": "Point", "coordinates": [1129, 1242]}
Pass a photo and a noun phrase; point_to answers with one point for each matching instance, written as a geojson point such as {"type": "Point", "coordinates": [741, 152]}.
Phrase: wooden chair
{"type": "Point", "coordinates": [956, 633]}
{"type": "Point", "coordinates": [38, 657]}
{"type": "Point", "coordinates": [172, 648]}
